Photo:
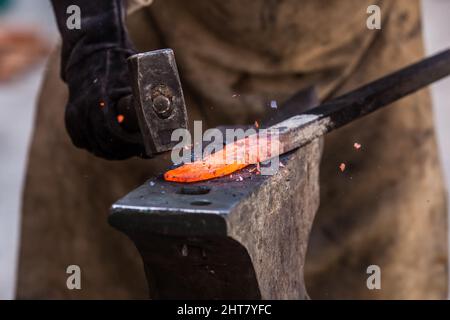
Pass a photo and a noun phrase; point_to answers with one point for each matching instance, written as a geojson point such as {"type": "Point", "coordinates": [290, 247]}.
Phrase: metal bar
{"type": "Point", "coordinates": [300, 130]}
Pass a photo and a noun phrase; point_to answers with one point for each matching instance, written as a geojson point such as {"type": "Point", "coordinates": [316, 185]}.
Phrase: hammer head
{"type": "Point", "coordinates": [158, 96]}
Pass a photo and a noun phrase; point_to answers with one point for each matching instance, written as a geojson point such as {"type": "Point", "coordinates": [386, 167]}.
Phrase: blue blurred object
{"type": "Point", "coordinates": [4, 4]}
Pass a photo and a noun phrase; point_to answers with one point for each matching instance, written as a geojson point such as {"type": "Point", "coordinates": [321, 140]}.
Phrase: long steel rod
{"type": "Point", "coordinates": [299, 130]}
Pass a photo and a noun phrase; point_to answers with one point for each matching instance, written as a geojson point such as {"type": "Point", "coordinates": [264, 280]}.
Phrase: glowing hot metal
{"type": "Point", "coordinates": [300, 130]}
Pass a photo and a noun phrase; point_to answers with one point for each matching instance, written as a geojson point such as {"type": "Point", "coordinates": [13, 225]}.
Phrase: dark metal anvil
{"type": "Point", "coordinates": [233, 239]}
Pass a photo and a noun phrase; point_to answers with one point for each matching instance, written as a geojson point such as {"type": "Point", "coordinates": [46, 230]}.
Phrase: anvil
{"type": "Point", "coordinates": [229, 239]}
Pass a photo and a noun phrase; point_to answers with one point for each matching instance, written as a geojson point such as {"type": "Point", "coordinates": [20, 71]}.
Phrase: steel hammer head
{"type": "Point", "coordinates": [158, 98]}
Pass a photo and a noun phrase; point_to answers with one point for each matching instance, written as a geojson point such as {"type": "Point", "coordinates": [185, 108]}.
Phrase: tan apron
{"type": "Point", "coordinates": [387, 208]}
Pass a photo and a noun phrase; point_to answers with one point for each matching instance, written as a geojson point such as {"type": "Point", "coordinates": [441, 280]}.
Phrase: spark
{"type": "Point", "coordinates": [120, 118]}
{"type": "Point", "coordinates": [256, 124]}
{"type": "Point", "coordinates": [102, 104]}
{"type": "Point", "coordinates": [184, 250]}
{"type": "Point", "coordinates": [357, 146]}
{"type": "Point", "coordinates": [273, 104]}
{"type": "Point", "coordinates": [342, 167]}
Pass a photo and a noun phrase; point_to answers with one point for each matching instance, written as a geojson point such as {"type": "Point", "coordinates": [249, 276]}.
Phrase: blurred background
{"type": "Point", "coordinates": [27, 34]}
{"type": "Point", "coordinates": [33, 34]}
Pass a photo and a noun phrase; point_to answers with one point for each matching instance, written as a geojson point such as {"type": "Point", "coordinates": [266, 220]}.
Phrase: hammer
{"type": "Point", "coordinates": [157, 106]}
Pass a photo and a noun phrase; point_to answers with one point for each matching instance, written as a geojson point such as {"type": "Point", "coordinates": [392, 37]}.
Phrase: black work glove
{"type": "Point", "coordinates": [95, 69]}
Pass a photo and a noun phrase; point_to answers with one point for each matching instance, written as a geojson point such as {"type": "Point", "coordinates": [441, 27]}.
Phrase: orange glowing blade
{"type": "Point", "coordinates": [194, 172]}
{"type": "Point", "coordinates": [233, 157]}
{"type": "Point", "coordinates": [301, 129]}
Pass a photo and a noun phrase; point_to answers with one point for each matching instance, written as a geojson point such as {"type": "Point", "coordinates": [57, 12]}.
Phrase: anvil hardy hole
{"type": "Point", "coordinates": [194, 190]}
{"type": "Point", "coordinates": [201, 203]}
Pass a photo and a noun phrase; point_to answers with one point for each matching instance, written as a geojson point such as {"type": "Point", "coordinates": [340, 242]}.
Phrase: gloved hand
{"type": "Point", "coordinates": [95, 69]}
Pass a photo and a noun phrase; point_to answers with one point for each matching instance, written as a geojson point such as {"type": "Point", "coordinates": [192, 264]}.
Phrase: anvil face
{"type": "Point", "coordinates": [158, 199]}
